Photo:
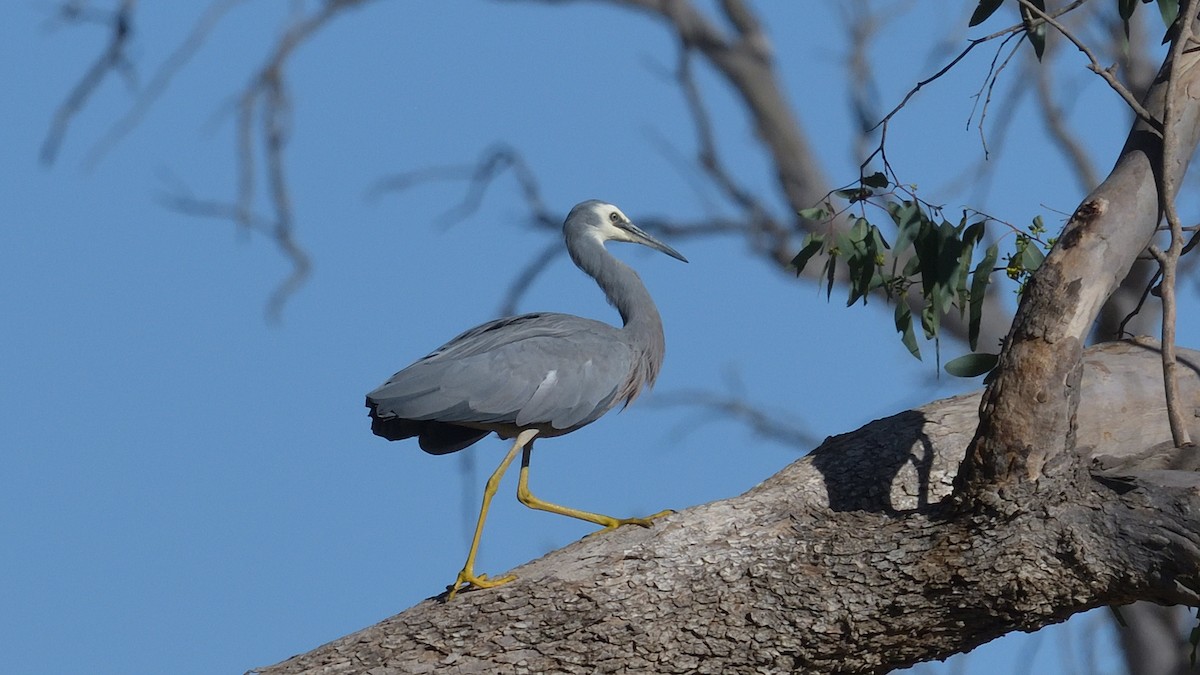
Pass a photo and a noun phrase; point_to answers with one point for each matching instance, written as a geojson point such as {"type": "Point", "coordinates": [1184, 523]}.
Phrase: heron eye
{"type": "Point", "coordinates": [614, 217]}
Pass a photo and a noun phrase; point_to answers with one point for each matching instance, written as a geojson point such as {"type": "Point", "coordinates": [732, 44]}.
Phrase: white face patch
{"type": "Point", "coordinates": [607, 230]}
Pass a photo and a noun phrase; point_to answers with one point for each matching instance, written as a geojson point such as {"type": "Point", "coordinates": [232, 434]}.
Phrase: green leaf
{"type": "Point", "coordinates": [931, 320]}
{"type": "Point", "coordinates": [858, 231]}
{"type": "Point", "coordinates": [1125, 9]}
{"type": "Point", "coordinates": [971, 365]}
{"type": "Point", "coordinates": [852, 195]}
{"type": "Point", "coordinates": [974, 232]}
{"type": "Point", "coordinates": [1035, 27]}
{"type": "Point", "coordinates": [927, 245]}
{"type": "Point", "coordinates": [1169, 10]}
{"type": "Point", "coordinates": [1032, 257]}
{"type": "Point", "coordinates": [815, 213]}
{"type": "Point", "coordinates": [854, 269]}
{"type": "Point", "coordinates": [904, 327]}
{"type": "Point", "coordinates": [830, 270]}
{"type": "Point", "coordinates": [983, 10]}
{"type": "Point", "coordinates": [876, 180]}
{"type": "Point", "coordinates": [950, 249]}
{"type": "Point", "coordinates": [962, 274]}
{"type": "Point", "coordinates": [908, 226]}
{"type": "Point", "coordinates": [877, 240]}
{"type": "Point", "coordinates": [979, 284]}
{"type": "Point", "coordinates": [813, 243]}
{"type": "Point", "coordinates": [866, 272]}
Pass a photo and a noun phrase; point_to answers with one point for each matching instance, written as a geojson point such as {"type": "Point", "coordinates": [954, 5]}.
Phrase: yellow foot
{"type": "Point", "coordinates": [467, 579]}
{"type": "Point", "coordinates": [614, 523]}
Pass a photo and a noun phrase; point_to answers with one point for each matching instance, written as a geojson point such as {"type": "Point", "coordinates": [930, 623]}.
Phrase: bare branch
{"type": "Point", "coordinates": [266, 99]}
{"type": "Point", "coordinates": [707, 155]}
{"type": "Point", "coordinates": [530, 271]}
{"type": "Point", "coordinates": [110, 60]}
{"type": "Point", "coordinates": [492, 163]}
{"type": "Point", "coordinates": [1093, 64]}
{"type": "Point", "coordinates": [993, 76]}
{"type": "Point", "coordinates": [1168, 189]}
{"type": "Point", "coordinates": [861, 25]}
{"type": "Point", "coordinates": [1055, 120]}
{"type": "Point", "coordinates": [161, 78]}
{"type": "Point", "coordinates": [1150, 286]}
{"type": "Point", "coordinates": [712, 407]}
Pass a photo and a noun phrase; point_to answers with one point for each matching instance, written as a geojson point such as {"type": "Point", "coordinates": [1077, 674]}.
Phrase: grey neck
{"type": "Point", "coordinates": [621, 285]}
{"type": "Point", "coordinates": [643, 329]}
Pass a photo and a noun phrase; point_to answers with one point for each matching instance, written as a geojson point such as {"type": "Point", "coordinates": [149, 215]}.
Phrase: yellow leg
{"type": "Point", "coordinates": [467, 577]}
{"type": "Point", "coordinates": [608, 522]}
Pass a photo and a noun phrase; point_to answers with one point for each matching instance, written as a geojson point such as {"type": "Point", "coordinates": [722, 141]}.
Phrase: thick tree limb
{"type": "Point", "coordinates": [1027, 423]}
{"type": "Point", "coordinates": [845, 561]}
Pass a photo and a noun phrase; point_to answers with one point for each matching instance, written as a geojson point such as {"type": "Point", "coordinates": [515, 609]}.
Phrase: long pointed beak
{"type": "Point", "coordinates": [639, 236]}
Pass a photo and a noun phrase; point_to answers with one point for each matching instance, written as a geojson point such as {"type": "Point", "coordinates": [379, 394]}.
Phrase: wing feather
{"type": "Point", "coordinates": [553, 370]}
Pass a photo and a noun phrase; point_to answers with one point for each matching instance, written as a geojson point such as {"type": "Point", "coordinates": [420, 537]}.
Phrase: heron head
{"type": "Point", "coordinates": [606, 222]}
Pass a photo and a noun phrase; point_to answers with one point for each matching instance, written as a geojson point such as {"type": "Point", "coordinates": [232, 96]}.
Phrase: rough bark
{"type": "Point", "coordinates": [850, 560]}
{"type": "Point", "coordinates": [1028, 412]}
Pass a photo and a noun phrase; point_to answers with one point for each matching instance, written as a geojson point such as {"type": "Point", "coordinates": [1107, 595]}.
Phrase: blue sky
{"type": "Point", "coordinates": [188, 488]}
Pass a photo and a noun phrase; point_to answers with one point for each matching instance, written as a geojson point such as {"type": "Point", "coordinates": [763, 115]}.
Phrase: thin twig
{"type": "Point", "coordinates": [707, 155]}
{"type": "Point", "coordinates": [492, 163]}
{"type": "Point", "coordinates": [1169, 259]}
{"type": "Point", "coordinates": [1062, 135]}
{"type": "Point", "coordinates": [110, 60]}
{"type": "Point", "coordinates": [161, 78]}
{"type": "Point", "coordinates": [734, 407]}
{"type": "Point", "coordinates": [994, 72]}
{"type": "Point", "coordinates": [1150, 286]}
{"type": "Point", "coordinates": [265, 101]}
{"type": "Point", "coordinates": [1094, 64]}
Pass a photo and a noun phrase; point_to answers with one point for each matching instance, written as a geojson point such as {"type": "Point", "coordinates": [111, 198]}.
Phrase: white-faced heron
{"type": "Point", "coordinates": [534, 375]}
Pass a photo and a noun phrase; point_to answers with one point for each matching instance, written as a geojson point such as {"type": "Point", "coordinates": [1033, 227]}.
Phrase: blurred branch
{"type": "Point", "coordinates": [266, 100]}
{"type": "Point", "coordinates": [706, 153]}
{"type": "Point", "coordinates": [743, 57]}
{"type": "Point", "coordinates": [712, 407]}
{"type": "Point", "coordinates": [1056, 125]}
{"type": "Point", "coordinates": [112, 59]}
{"type": "Point", "coordinates": [861, 24]}
{"type": "Point", "coordinates": [1093, 64]}
{"type": "Point", "coordinates": [161, 78]}
{"type": "Point", "coordinates": [492, 163]}
{"type": "Point", "coordinates": [263, 115]}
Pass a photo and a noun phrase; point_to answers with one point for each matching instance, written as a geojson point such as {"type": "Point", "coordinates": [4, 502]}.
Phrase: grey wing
{"type": "Point", "coordinates": [549, 370]}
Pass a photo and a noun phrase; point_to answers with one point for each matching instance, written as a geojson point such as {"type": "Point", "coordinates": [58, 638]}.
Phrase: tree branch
{"type": "Point", "coordinates": [110, 60]}
{"type": "Point", "coordinates": [1027, 427]}
{"type": "Point", "coordinates": [846, 561]}
{"type": "Point", "coordinates": [161, 78]}
{"type": "Point", "coordinates": [1169, 188]}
